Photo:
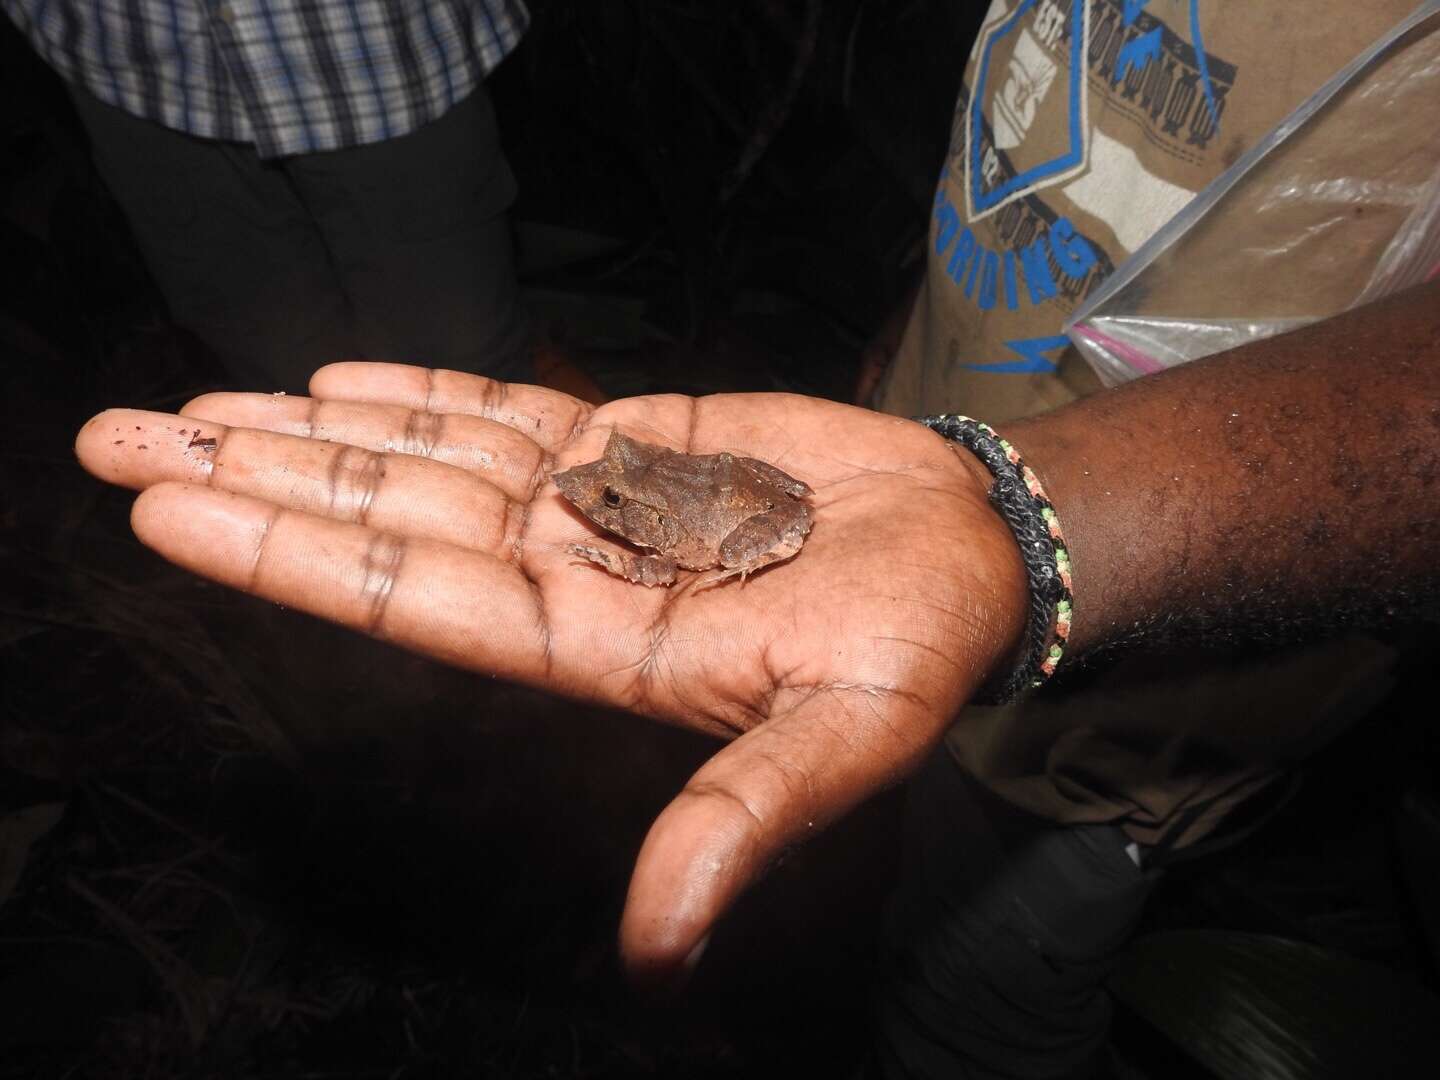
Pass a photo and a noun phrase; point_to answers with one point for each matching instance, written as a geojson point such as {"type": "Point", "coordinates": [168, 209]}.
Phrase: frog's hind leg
{"type": "Point", "coordinates": [641, 569]}
{"type": "Point", "coordinates": [760, 541]}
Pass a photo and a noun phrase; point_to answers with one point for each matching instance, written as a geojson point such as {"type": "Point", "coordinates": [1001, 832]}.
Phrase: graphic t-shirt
{"type": "Point", "coordinates": [1082, 126]}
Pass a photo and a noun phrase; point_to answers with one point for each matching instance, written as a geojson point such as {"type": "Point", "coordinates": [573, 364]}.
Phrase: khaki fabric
{"type": "Point", "coordinates": [1080, 129]}
{"type": "Point", "coordinates": [1167, 748]}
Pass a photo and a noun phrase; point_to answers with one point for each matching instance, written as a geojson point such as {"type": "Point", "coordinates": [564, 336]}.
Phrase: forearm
{"type": "Point", "coordinates": [1270, 491]}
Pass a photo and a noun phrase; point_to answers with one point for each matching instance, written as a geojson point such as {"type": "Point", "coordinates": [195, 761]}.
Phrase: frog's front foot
{"type": "Point", "coordinates": [641, 569]}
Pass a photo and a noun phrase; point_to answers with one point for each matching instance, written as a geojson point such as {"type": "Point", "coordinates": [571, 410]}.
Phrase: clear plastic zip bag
{"type": "Point", "coordinates": [1339, 205]}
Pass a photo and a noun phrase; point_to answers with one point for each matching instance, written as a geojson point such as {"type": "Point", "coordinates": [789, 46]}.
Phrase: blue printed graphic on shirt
{"type": "Point", "coordinates": [984, 196]}
{"type": "Point", "coordinates": [997, 240]}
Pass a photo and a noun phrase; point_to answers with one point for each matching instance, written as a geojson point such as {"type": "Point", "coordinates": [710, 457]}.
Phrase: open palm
{"type": "Point", "coordinates": [417, 506]}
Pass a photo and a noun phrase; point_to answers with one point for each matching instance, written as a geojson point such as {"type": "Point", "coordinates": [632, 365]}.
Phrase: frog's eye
{"type": "Point", "coordinates": [612, 498]}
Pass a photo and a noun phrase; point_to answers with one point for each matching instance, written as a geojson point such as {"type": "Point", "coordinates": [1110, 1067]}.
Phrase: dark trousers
{"type": "Point", "coordinates": [398, 250]}
{"type": "Point", "coordinates": [1000, 937]}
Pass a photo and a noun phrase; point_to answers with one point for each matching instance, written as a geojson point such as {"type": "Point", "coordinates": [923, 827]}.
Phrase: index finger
{"type": "Point", "coordinates": [546, 416]}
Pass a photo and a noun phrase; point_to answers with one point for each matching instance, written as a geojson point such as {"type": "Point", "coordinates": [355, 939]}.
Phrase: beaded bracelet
{"type": "Point", "coordinates": [1019, 497]}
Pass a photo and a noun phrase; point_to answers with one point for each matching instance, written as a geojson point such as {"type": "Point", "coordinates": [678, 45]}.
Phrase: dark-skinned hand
{"type": "Point", "coordinates": [416, 506]}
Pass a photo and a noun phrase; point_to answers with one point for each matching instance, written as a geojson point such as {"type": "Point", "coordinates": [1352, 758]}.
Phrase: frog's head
{"type": "Point", "coordinates": [611, 492]}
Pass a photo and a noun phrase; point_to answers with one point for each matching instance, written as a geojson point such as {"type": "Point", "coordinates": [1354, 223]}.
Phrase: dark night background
{"type": "Point", "coordinates": [235, 841]}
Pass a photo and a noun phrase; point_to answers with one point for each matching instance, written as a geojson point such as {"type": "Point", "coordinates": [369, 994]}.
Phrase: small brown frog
{"type": "Point", "coordinates": [698, 511]}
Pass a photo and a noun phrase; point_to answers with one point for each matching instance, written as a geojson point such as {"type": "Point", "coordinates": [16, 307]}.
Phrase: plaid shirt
{"type": "Point", "coordinates": [290, 76]}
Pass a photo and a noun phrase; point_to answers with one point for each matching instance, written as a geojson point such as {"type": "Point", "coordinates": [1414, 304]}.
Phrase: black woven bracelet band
{"type": "Point", "coordinates": [1019, 497]}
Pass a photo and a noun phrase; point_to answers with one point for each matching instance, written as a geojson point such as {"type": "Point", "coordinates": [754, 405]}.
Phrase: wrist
{"type": "Point", "coordinates": [1109, 545]}
{"type": "Point", "coordinates": [1008, 596]}
{"type": "Point", "coordinates": [1018, 498]}
{"type": "Point", "coordinates": [985, 560]}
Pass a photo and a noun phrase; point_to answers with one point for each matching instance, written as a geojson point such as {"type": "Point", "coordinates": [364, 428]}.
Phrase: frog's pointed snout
{"type": "Point", "coordinates": [572, 482]}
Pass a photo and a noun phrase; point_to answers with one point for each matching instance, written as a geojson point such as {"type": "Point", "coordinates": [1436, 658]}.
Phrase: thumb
{"type": "Point", "coordinates": [771, 788]}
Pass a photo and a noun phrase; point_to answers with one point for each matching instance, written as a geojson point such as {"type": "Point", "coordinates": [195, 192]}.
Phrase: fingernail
{"type": "Point", "coordinates": [661, 987]}
{"type": "Point", "coordinates": [692, 959]}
